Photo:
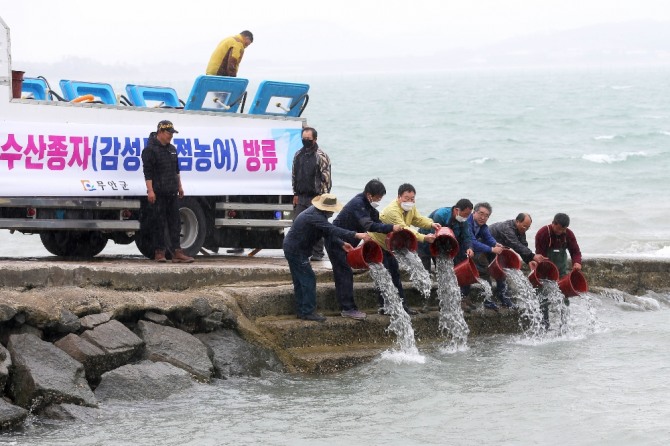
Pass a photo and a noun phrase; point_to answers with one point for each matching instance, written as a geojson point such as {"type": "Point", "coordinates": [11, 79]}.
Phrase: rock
{"type": "Point", "coordinates": [201, 307]}
{"type": "Point", "coordinates": [93, 320]}
{"type": "Point", "coordinates": [94, 359]}
{"type": "Point", "coordinates": [43, 374]}
{"type": "Point", "coordinates": [146, 380]}
{"type": "Point", "coordinates": [156, 318]}
{"type": "Point", "coordinates": [176, 347]}
{"type": "Point", "coordinates": [71, 412]}
{"type": "Point", "coordinates": [68, 322]}
{"type": "Point", "coordinates": [116, 340]}
{"type": "Point", "coordinates": [6, 312]}
{"type": "Point", "coordinates": [233, 356]}
{"type": "Point", "coordinates": [11, 416]}
{"type": "Point", "coordinates": [5, 364]}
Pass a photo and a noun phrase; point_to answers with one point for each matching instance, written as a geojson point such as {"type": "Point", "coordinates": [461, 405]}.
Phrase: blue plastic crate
{"type": "Point", "coordinates": [229, 90]}
{"type": "Point", "coordinates": [279, 99]}
{"type": "Point", "coordinates": [37, 87]}
{"type": "Point", "coordinates": [101, 91]}
{"type": "Point", "coordinates": [140, 94]}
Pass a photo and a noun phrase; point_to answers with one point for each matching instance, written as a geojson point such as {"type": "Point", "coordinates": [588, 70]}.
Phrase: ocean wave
{"type": "Point", "coordinates": [601, 137]}
{"type": "Point", "coordinates": [481, 160]}
{"type": "Point", "coordinates": [602, 158]}
{"type": "Point", "coordinates": [621, 87]}
{"type": "Point", "coordinates": [663, 132]}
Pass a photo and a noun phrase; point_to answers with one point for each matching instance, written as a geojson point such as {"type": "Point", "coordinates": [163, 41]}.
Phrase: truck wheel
{"type": "Point", "coordinates": [73, 243]}
{"type": "Point", "coordinates": [145, 243]}
{"type": "Point", "coordinates": [193, 226]}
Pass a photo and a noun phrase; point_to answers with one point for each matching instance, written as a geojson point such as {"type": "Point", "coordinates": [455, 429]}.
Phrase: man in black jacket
{"type": "Point", "coordinates": [161, 174]}
{"type": "Point", "coordinates": [359, 215]}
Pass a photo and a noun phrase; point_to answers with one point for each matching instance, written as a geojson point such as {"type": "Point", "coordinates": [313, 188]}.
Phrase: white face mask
{"type": "Point", "coordinates": [374, 204]}
{"type": "Point", "coordinates": [460, 219]}
{"type": "Point", "coordinates": [407, 206]}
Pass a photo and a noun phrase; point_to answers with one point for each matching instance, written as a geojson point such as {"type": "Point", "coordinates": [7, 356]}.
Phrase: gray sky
{"type": "Point", "coordinates": [146, 31]}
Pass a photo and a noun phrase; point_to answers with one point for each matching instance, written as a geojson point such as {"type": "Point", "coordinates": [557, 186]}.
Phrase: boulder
{"type": "Point", "coordinates": [233, 356]}
{"type": "Point", "coordinates": [95, 360]}
{"type": "Point", "coordinates": [71, 412]}
{"type": "Point", "coordinates": [93, 320]}
{"type": "Point", "coordinates": [68, 322]}
{"type": "Point", "coordinates": [42, 374]}
{"type": "Point", "coordinates": [6, 312]}
{"type": "Point", "coordinates": [116, 340]}
{"type": "Point", "coordinates": [5, 364]}
{"type": "Point", "coordinates": [143, 381]}
{"type": "Point", "coordinates": [157, 318]}
{"type": "Point", "coordinates": [11, 416]}
{"type": "Point", "coordinates": [177, 347]}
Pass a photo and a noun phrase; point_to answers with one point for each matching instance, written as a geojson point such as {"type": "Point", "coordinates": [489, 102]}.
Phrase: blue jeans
{"type": "Point", "coordinates": [304, 283]}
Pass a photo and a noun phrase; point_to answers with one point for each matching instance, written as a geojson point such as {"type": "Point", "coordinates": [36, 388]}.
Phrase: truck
{"type": "Point", "coordinates": [71, 169]}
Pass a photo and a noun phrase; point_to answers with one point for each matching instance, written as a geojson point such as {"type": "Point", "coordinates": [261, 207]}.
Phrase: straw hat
{"type": "Point", "coordinates": [327, 202]}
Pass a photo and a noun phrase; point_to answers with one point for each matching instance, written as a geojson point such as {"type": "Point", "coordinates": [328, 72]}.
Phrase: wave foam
{"type": "Point", "coordinates": [481, 160]}
{"type": "Point", "coordinates": [602, 158]}
{"type": "Point", "coordinates": [400, 357]}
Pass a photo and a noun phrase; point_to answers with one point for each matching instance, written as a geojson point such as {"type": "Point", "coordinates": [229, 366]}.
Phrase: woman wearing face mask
{"type": "Point", "coordinates": [403, 212]}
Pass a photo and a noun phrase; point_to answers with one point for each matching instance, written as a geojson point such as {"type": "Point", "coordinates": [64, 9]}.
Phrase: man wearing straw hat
{"type": "Point", "coordinates": [308, 228]}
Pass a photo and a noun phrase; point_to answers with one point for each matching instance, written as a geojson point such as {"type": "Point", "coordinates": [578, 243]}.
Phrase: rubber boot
{"type": "Point", "coordinates": [159, 256]}
{"type": "Point", "coordinates": [180, 257]}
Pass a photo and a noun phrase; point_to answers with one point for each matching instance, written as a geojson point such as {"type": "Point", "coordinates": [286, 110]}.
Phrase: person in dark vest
{"type": "Point", "coordinates": [161, 175]}
{"type": "Point", "coordinates": [310, 177]}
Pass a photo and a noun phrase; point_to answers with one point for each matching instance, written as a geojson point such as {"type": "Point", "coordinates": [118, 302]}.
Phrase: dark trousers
{"type": "Point", "coordinates": [304, 202]}
{"type": "Point", "coordinates": [343, 275]}
{"type": "Point", "coordinates": [166, 221]}
{"type": "Point", "coordinates": [304, 283]}
{"type": "Point", "coordinates": [391, 264]}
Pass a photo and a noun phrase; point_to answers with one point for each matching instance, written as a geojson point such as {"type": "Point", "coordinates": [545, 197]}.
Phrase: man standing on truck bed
{"type": "Point", "coordinates": [227, 55]}
{"type": "Point", "coordinates": [310, 177]}
{"type": "Point", "coordinates": [161, 174]}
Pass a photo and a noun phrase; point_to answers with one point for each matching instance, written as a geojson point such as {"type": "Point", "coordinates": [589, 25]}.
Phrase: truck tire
{"type": "Point", "coordinates": [193, 226]}
{"type": "Point", "coordinates": [73, 243]}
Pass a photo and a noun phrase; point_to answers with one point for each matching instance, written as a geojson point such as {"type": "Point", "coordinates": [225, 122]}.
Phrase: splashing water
{"type": "Point", "coordinates": [451, 323]}
{"type": "Point", "coordinates": [400, 322]}
{"type": "Point", "coordinates": [486, 288]}
{"type": "Point", "coordinates": [530, 319]}
{"type": "Point", "coordinates": [551, 293]}
{"type": "Point", "coordinates": [409, 261]}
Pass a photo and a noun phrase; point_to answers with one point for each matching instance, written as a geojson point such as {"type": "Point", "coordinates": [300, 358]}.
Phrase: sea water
{"type": "Point", "coordinates": [452, 322]}
{"type": "Point", "coordinates": [593, 144]}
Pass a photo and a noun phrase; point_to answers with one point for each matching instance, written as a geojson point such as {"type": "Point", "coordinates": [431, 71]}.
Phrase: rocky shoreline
{"type": "Point", "coordinates": [74, 334]}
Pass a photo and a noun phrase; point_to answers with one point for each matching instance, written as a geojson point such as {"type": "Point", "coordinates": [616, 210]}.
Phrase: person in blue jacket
{"type": "Point", "coordinates": [455, 218]}
{"type": "Point", "coordinates": [358, 215]}
{"type": "Point", "coordinates": [307, 229]}
{"type": "Point", "coordinates": [483, 244]}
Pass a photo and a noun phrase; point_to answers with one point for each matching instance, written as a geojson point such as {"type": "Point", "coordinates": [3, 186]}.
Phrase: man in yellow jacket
{"type": "Point", "coordinates": [226, 58]}
{"type": "Point", "coordinates": [402, 211]}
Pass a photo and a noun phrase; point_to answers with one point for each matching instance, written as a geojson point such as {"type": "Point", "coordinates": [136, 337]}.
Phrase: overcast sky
{"type": "Point", "coordinates": [146, 31]}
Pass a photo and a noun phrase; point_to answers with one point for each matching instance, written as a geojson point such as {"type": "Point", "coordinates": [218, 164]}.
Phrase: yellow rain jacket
{"type": "Point", "coordinates": [226, 57]}
{"type": "Point", "coordinates": [394, 215]}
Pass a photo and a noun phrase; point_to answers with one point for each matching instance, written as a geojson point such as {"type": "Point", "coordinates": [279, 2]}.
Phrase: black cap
{"type": "Point", "coordinates": [167, 126]}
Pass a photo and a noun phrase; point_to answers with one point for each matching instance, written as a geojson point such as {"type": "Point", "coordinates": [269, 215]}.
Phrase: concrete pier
{"type": "Point", "coordinates": [257, 294]}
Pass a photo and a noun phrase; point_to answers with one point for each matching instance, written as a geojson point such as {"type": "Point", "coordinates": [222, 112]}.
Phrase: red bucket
{"type": "Point", "coordinates": [506, 259]}
{"type": "Point", "coordinates": [364, 254]}
{"type": "Point", "coordinates": [545, 270]}
{"type": "Point", "coordinates": [401, 239]}
{"type": "Point", "coordinates": [573, 284]}
{"type": "Point", "coordinates": [466, 272]}
{"type": "Point", "coordinates": [17, 84]}
{"type": "Point", "coordinates": [445, 243]}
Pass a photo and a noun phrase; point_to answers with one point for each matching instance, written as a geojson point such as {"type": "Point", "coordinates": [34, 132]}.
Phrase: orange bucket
{"type": "Point", "coordinates": [445, 243]}
{"type": "Point", "coordinates": [506, 259]}
{"type": "Point", "coordinates": [573, 284]}
{"type": "Point", "coordinates": [364, 254]}
{"type": "Point", "coordinates": [545, 270]}
{"type": "Point", "coordinates": [466, 272]}
{"type": "Point", "coordinates": [401, 239]}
